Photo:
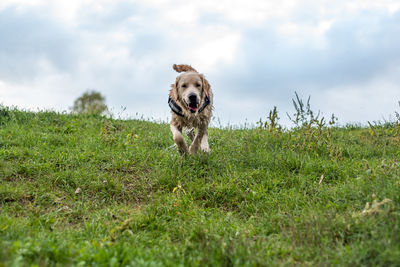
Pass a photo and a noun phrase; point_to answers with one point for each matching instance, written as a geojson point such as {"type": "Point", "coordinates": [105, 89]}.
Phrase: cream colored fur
{"type": "Point", "coordinates": [191, 83]}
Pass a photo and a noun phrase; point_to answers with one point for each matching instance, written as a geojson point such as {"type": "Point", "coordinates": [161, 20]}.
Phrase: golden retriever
{"type": "Point", "coordinates": [190, 100]}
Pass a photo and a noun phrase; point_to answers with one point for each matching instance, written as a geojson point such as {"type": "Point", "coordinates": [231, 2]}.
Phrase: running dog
{"type": "Point", "coordinates": [191, 103]}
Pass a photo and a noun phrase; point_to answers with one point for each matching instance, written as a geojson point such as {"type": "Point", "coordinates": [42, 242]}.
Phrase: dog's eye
{"type": "Point", "coordinates": [184, 85]}
{"type": "Point", "coordinates": [198, 85]}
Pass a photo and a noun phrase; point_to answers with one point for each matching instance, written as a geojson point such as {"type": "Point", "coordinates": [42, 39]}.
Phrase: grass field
{"type": "Point", "coordinates": [89, 190]}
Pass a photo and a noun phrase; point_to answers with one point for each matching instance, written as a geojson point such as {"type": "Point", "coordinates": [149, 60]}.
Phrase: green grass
{"type": "Point", "coordinates": [257, 199]}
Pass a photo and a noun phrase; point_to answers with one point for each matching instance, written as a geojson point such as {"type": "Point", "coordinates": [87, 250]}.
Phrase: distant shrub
{"type": "Point", "coordinates": [91, 102]}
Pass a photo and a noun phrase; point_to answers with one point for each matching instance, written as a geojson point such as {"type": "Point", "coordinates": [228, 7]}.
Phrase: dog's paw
{"type": "Point", "coordinates": [192, 151]}
{"type": "Point", "coordinates": [205, 149]}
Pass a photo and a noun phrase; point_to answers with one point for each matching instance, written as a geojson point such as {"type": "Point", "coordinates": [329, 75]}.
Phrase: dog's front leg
{"type": "Point", "coordinates": [204, 143]}
{"type": "Point", "coordinates": [178, 139]}
{"type": "Point", "coordinates": [197, 141]}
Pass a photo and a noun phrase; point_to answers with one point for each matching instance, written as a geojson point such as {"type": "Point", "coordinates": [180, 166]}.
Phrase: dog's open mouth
{"type": "Point", "coordinates": [193, 107]}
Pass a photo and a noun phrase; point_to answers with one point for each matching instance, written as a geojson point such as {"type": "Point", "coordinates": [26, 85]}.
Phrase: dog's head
{"type": "Point", "coordinates": [190, 88]}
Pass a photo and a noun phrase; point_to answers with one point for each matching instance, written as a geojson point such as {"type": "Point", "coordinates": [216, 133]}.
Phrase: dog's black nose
{"type": "Point", "coordinates": [192, 98]}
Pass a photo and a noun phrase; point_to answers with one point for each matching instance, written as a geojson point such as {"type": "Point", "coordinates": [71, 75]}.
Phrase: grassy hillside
{"type": "Point", "coordinates": [80, 190]}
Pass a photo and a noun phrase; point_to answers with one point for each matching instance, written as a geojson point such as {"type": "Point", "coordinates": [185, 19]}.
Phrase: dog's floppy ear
{"type": "Point", "coordinates": [206, 85]}
{"type": "Point", "coordinates": [173, 93]}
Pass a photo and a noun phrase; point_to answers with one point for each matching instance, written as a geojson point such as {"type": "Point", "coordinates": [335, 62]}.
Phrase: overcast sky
{"type": "Point", "coordinates": [255, 54]}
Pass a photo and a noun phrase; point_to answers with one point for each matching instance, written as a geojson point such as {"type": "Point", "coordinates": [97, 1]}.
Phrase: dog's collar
{"type": "Point", "coordinates": [175, 107]}
{"type": "Point", "coordinates": [178, 110]}
{"type": "Point", "coordinates": [205, 104]}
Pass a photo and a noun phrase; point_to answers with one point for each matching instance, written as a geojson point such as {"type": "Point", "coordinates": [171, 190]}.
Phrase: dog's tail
{"type": "Point", "coordinates": [183, 67]}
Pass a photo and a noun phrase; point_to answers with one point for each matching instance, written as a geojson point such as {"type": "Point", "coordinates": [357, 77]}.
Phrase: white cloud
{"type": "Point", "coordinates": [222, 47]}
{"type": "Point", "coordinates": [68, 12]}
{"type": "Point", "coordinates": [370, 101]}
{"type": "Point", "coordinates": [257, 52]}
{"type": "Point", "coordinates": [20, 3]}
